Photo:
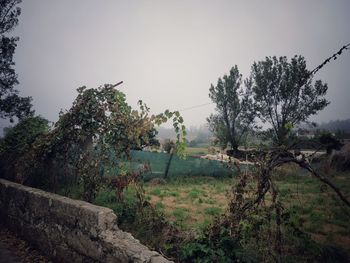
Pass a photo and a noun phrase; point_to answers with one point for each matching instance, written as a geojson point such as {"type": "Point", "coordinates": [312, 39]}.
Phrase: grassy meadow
{"type": "Point", "coordinates": [192, 203]}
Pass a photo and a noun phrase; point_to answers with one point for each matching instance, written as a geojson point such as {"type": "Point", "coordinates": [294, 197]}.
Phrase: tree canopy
{"type": "Point", "coordinates": [18, 140]}
{"type": "Point", "coordinates": [234, 112]}
{"type": "Point", "coordinates": [284, 93]}
{"type": "Point", "coordinates": [95, 134]}
{"type": "Point", "coordinates": [11, 104]}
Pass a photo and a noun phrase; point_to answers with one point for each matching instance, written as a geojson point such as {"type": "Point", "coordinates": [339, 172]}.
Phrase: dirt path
{"type": "Point", "coordinates": [15, 250]}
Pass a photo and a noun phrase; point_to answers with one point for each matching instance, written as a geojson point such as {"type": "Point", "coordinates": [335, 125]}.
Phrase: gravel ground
{"type": "Point", "coordinates": [15, 250]}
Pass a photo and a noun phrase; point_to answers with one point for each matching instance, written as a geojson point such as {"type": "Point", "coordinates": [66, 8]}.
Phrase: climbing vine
{"type": "Point", "coordinates": [97, 132]}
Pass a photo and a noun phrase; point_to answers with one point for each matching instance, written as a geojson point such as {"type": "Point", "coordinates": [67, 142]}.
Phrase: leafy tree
{"type": "Point", "coordinates": [11, 104]}
{"type": "Point", "coordinates": [93, 136]}
{"type": "Point", "coordinates": [285, 94]}
{"type": "Point", "coordinates": [234, 107]}
{"type": "Point", "coordinates": [18, 140]}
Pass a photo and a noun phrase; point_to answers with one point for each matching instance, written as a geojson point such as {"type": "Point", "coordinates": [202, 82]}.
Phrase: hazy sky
{"type": "Point", "coordinates": [169, 52]}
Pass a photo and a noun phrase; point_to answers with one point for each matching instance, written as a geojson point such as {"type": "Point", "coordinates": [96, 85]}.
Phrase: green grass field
{"type": "Point", "coordinates": [192, 203]}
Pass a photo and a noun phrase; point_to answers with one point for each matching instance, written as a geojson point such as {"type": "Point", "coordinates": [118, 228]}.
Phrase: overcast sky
{"type": "Point", "coordinates": [169, 52]}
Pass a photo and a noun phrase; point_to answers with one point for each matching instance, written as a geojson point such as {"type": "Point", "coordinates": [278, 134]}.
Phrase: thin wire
{"type": "Point", "coordinates": [196, 106]}
{"type": "Point", "coordinates": [313, 72]}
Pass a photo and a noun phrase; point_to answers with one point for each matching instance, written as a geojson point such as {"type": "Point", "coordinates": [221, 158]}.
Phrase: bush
{"type": "Point", "coordinates": [341, 161]}
{"type": "Point", "coordinates": [17, 141]}
{"type": "Point", "coordinates": [126, 210]}
{"type": "Point", "coordinates": [220, 248]}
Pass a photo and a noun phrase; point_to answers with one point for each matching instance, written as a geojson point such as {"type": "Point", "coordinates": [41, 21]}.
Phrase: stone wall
{"type": "Point", "coordinates": [69, 230]}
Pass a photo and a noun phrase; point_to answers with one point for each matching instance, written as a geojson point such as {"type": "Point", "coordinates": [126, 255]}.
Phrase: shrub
{"type": "Point", "coordinates": [17, 141]}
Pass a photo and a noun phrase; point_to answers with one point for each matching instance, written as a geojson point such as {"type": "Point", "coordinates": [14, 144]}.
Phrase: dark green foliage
{"type": "Point", "coordinates": [219, 248]}
{"type": "Point", "coordinates": [23, 134]}
{"type": "Point", "coordinates": [11, 105]}
{"type": "Point", "coordinates": [149, 140]}
{"type": "Point", "coordinates": [127, 210]}
{"type": "Point", "coordinates": [330, 142]}
{"type": "Point", "coordinates": [136, 215]}
{"type": "Point", "coordinates": [341, 161]}
{"type": "Point", "coordinates": [235, 114]}
{"type": "Point", "coordinates": [9, 12]}
{"type": "Point", "coordinates": [18, 140]}
{"type": "Point", "coordinates": [81, 143]}
{"type": "Point", "coordinates": [284, 93]}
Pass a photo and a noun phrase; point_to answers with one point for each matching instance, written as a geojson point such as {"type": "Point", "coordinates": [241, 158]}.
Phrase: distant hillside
{"type": "Point", "coordinates": [343, 125]}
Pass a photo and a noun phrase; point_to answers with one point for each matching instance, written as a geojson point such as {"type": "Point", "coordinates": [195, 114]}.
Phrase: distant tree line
{"type": "Point", "coordinates": [336, 126]}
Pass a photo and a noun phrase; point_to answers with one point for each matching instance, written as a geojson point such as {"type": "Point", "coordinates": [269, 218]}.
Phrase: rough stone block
{"type": "Point", "coordinates": [69, 230]}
